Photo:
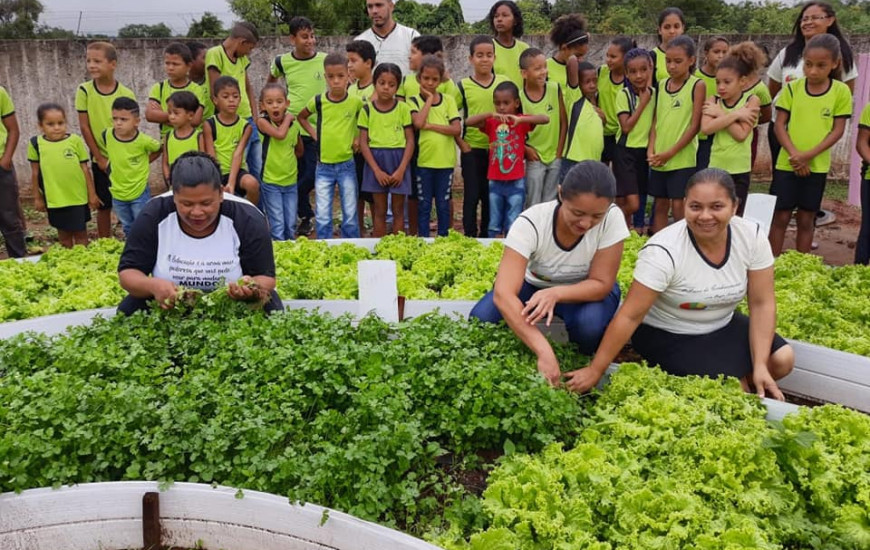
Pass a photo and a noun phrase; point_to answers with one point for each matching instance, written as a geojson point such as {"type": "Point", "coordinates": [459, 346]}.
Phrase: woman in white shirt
{"type": "Point", "coordinates": [788, 65]}
{"type": "Point", "coordinates": [560, 259]}
{"type": "Point", "coordinates": [680, 311]}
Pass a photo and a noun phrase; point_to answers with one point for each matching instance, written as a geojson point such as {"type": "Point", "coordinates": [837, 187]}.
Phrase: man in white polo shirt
{"type": "Point", "coordinates": [391, 40]}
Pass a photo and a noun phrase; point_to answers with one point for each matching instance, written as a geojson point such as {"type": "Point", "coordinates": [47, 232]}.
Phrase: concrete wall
{"type": "Point", "coordinates": [36, 71]}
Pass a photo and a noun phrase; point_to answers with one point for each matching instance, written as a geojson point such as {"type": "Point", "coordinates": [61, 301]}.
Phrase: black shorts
{"type": "Point", "coordinates": [237, 190]}
{"type": "Point", "coordinates": [631, 170]}
{"type": "Point", "coordinates": [360, 163]}
{"type": "Point", "coordinates": [741, 184]}
{"type": "Point", "coordinates": [609, 149]}
{"type": "Point", "coordinates": [101, 186]}
{"type": "Point", "coordinates": [724, 351]}
{"type": "Point", "coordinates": [702, 157]}
{"type": "Point", "coordinates": [70, 218]}
{"type": "Point", "coordinates": [793, 191]}
{"type": "Point", "coordinates": [671, 184]}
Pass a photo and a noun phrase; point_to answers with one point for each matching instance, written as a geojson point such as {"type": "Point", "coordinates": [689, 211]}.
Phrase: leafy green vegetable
{"type": "Point", "coordinates": [316, 408]}
{"type": "Point", "coordinates": [815, 303]}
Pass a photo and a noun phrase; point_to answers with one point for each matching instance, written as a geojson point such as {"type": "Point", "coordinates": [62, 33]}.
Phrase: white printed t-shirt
{"type": "Point", "coordinates": [240, 245]}
{"type": "Point", "coordinates": [695, 296]}
{"type": "Point", "coordinates": [395, 47]}
{"type": "Point", "coordinates": [533, 236]}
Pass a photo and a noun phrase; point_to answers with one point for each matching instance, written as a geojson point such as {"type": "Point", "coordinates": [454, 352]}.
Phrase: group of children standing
{"type": "Point", "coordinates": [520, 121]}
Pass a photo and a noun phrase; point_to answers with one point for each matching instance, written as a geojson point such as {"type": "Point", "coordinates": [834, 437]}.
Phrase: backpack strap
{"type": "Point", "coordinates": [318, 106]}
{"type": "Point", "coordinates": [279, 64]}
{"type": "Point", "coordinates": [213, 127]}
{"type": "Point", "coordinates": [572, 123]}
{"type": "Point", "coordinates": [464, 106]}
{"type": "Point", "coordinates": [34, 142]}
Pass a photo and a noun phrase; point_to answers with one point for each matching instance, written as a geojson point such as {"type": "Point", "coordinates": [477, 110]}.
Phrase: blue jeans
{"type": "Point", "coordinates": [307, 168]}
{"type": "Point", "coordinates": [280, 203]}
{"type": "Point", "coordinates": [327, 176]}
{"type": "Point", "coordinates": [434, 183]}
{"type": "Point", "coordinates": [128, 211]}
{"type": "Point", "coordinates": [254, 152]}
{"type": "Point", "coordinates": [506, 200]}
{"type": "Point", "coordinates": [585, 321]}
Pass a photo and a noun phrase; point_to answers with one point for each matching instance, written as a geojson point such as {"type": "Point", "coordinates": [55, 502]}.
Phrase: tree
{"type": "Point", "coordinates": [53, 33]}
{"type": "Point", "coordinates": [330, 17]}
{"type": "Point", "coordinates": [445, 18]}
{"type": "Point", "coordinates": [139, 30]}
{"type": "Point", "coordinates": [209, 26]}
{"type": "Point", "coordinates": [18, 18]}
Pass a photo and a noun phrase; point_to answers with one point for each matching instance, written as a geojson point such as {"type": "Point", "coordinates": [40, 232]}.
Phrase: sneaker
{"type": "Point", "coordinates": [305, 227]}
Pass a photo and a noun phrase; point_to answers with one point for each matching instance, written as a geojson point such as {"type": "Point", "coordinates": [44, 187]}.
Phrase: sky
{"type": "Point", "coordinates": [102, 17]}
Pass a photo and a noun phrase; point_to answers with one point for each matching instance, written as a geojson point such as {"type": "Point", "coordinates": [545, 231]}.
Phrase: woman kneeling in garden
{"type": "Point", "coordinates": [197, 237]}
{"type": "Point", "coordinates": [561, 259]}
{"type": "Point", "coordinates": [689, 279]}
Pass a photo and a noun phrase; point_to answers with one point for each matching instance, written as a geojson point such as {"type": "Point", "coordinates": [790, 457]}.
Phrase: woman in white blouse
{"type": "Point", "coordinates": [560, 259]}
{"type": "Point", "coordinates": [680, 311]}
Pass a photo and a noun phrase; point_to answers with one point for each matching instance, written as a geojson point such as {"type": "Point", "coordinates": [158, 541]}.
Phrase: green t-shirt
{"type": "Point", "coordinates": [280, 166]}
{"type": "Point", "coordinates": [710, 82]}
{"type": "Point", "coordinates": [673, 118]}
{"type": "Point", "coordinates": [627, 103]}
{"type": "Point", "coordinates": [545, 137]}
{"type": "Point", "coordinates": [474, 98]}
{"type": "Point", "coordinates": [60, 173]}
{"type": "Point", "coordinates": [365, 93]}
{"type": "Point", "coordinates": [175, 146]}
{"type": "Point", "coordinates": [661, 72]}
{"type": "Point", "coordinates": [811, 119]}
{"type": "Point", "coordinates": [207, 104]}
{"type": "Point", "coordinates": [762, 92]}
{"type": "Point", "coordinates": [304, 79]}
{"type": "Point", "coordinates": [7, 108]}
{"type": "Point", "coordinates": [585, 139]}
{"type": "Point", "coordinates": [128, 163]}
{"type": "Point", "coordinates": [607, 92]}
{"type": "Point", "coordinates": [161, 91]}
{"type": "Point", "coordinates": [410, 87]}
{"type": "Point", "coordinates": [98, 107]}
{"type": "Point", "coordinates": [217, 58]}
{"type": "Point", "coordinates": [226, 138]}
{"type": "Point", "coordinates": [336, 126]}
{"type": "Point", "coordinates": [507, 61]}
{"type": "Point", "coordinates": [864, 122]}
{"type": "Point", "coordinates": [557, 72]}
{"type": "Point", "coordinates": [436, 150]}
{"type": "Point", "coordinates": [735, 157]}
{"type": "Point", "coordinates": [386, 128]}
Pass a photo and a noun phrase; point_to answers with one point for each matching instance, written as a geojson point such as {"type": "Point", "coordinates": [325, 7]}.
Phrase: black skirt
{"type": "Point", "coordinates": [724, 351]}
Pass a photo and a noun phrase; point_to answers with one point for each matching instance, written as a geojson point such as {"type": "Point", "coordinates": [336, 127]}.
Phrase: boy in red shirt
{"type": "Point", "coordinates": [507, 130]}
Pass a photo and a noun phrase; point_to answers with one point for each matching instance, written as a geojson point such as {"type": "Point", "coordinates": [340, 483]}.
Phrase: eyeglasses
{"type": "Point", "coordinates": [813, 18]}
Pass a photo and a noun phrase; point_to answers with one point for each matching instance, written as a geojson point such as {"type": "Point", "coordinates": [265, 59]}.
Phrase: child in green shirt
{"type": "Point", "coordinates": [337, 113]}
{"type": "Point", "coordinates": [129, 152]}
{"type": "Point", "coordinates": [11, 224]}
{"type": "Point", "coordinates": [61, 182]}
{"type": "Point", "coordinates": [182, 109]}
{"type": "Point", "coordinates": [361, 59]}
{"type": "Point", "coordinates": [546, 142]}
{"type": "Point", "coordinates": [226, 136]}
{"type": "Point", "coordinates": [571, 39]}
{"type": "Point", "coordinates": [506, 21]}
{"type": "Point", "coordinates": [93, 102]}
{"type": "Point", "coordinates": [176, 60]}
{"type": "Point", "coordinates": [585, 137]}
{"type": "Point", "coordinates": [282, 145]}
{"type": "Point", "coordinates": [437, 118]}
{"type": "Point", "coordinates": [387, 143]}
{"type": "Point", "coordinates": [302, 71]}
{"type": "Point", "coordinates": [230, 58]}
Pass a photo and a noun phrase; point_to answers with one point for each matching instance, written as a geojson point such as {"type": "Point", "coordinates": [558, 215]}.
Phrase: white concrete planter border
{"type": "Point", "coordinates": [108, 516]}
